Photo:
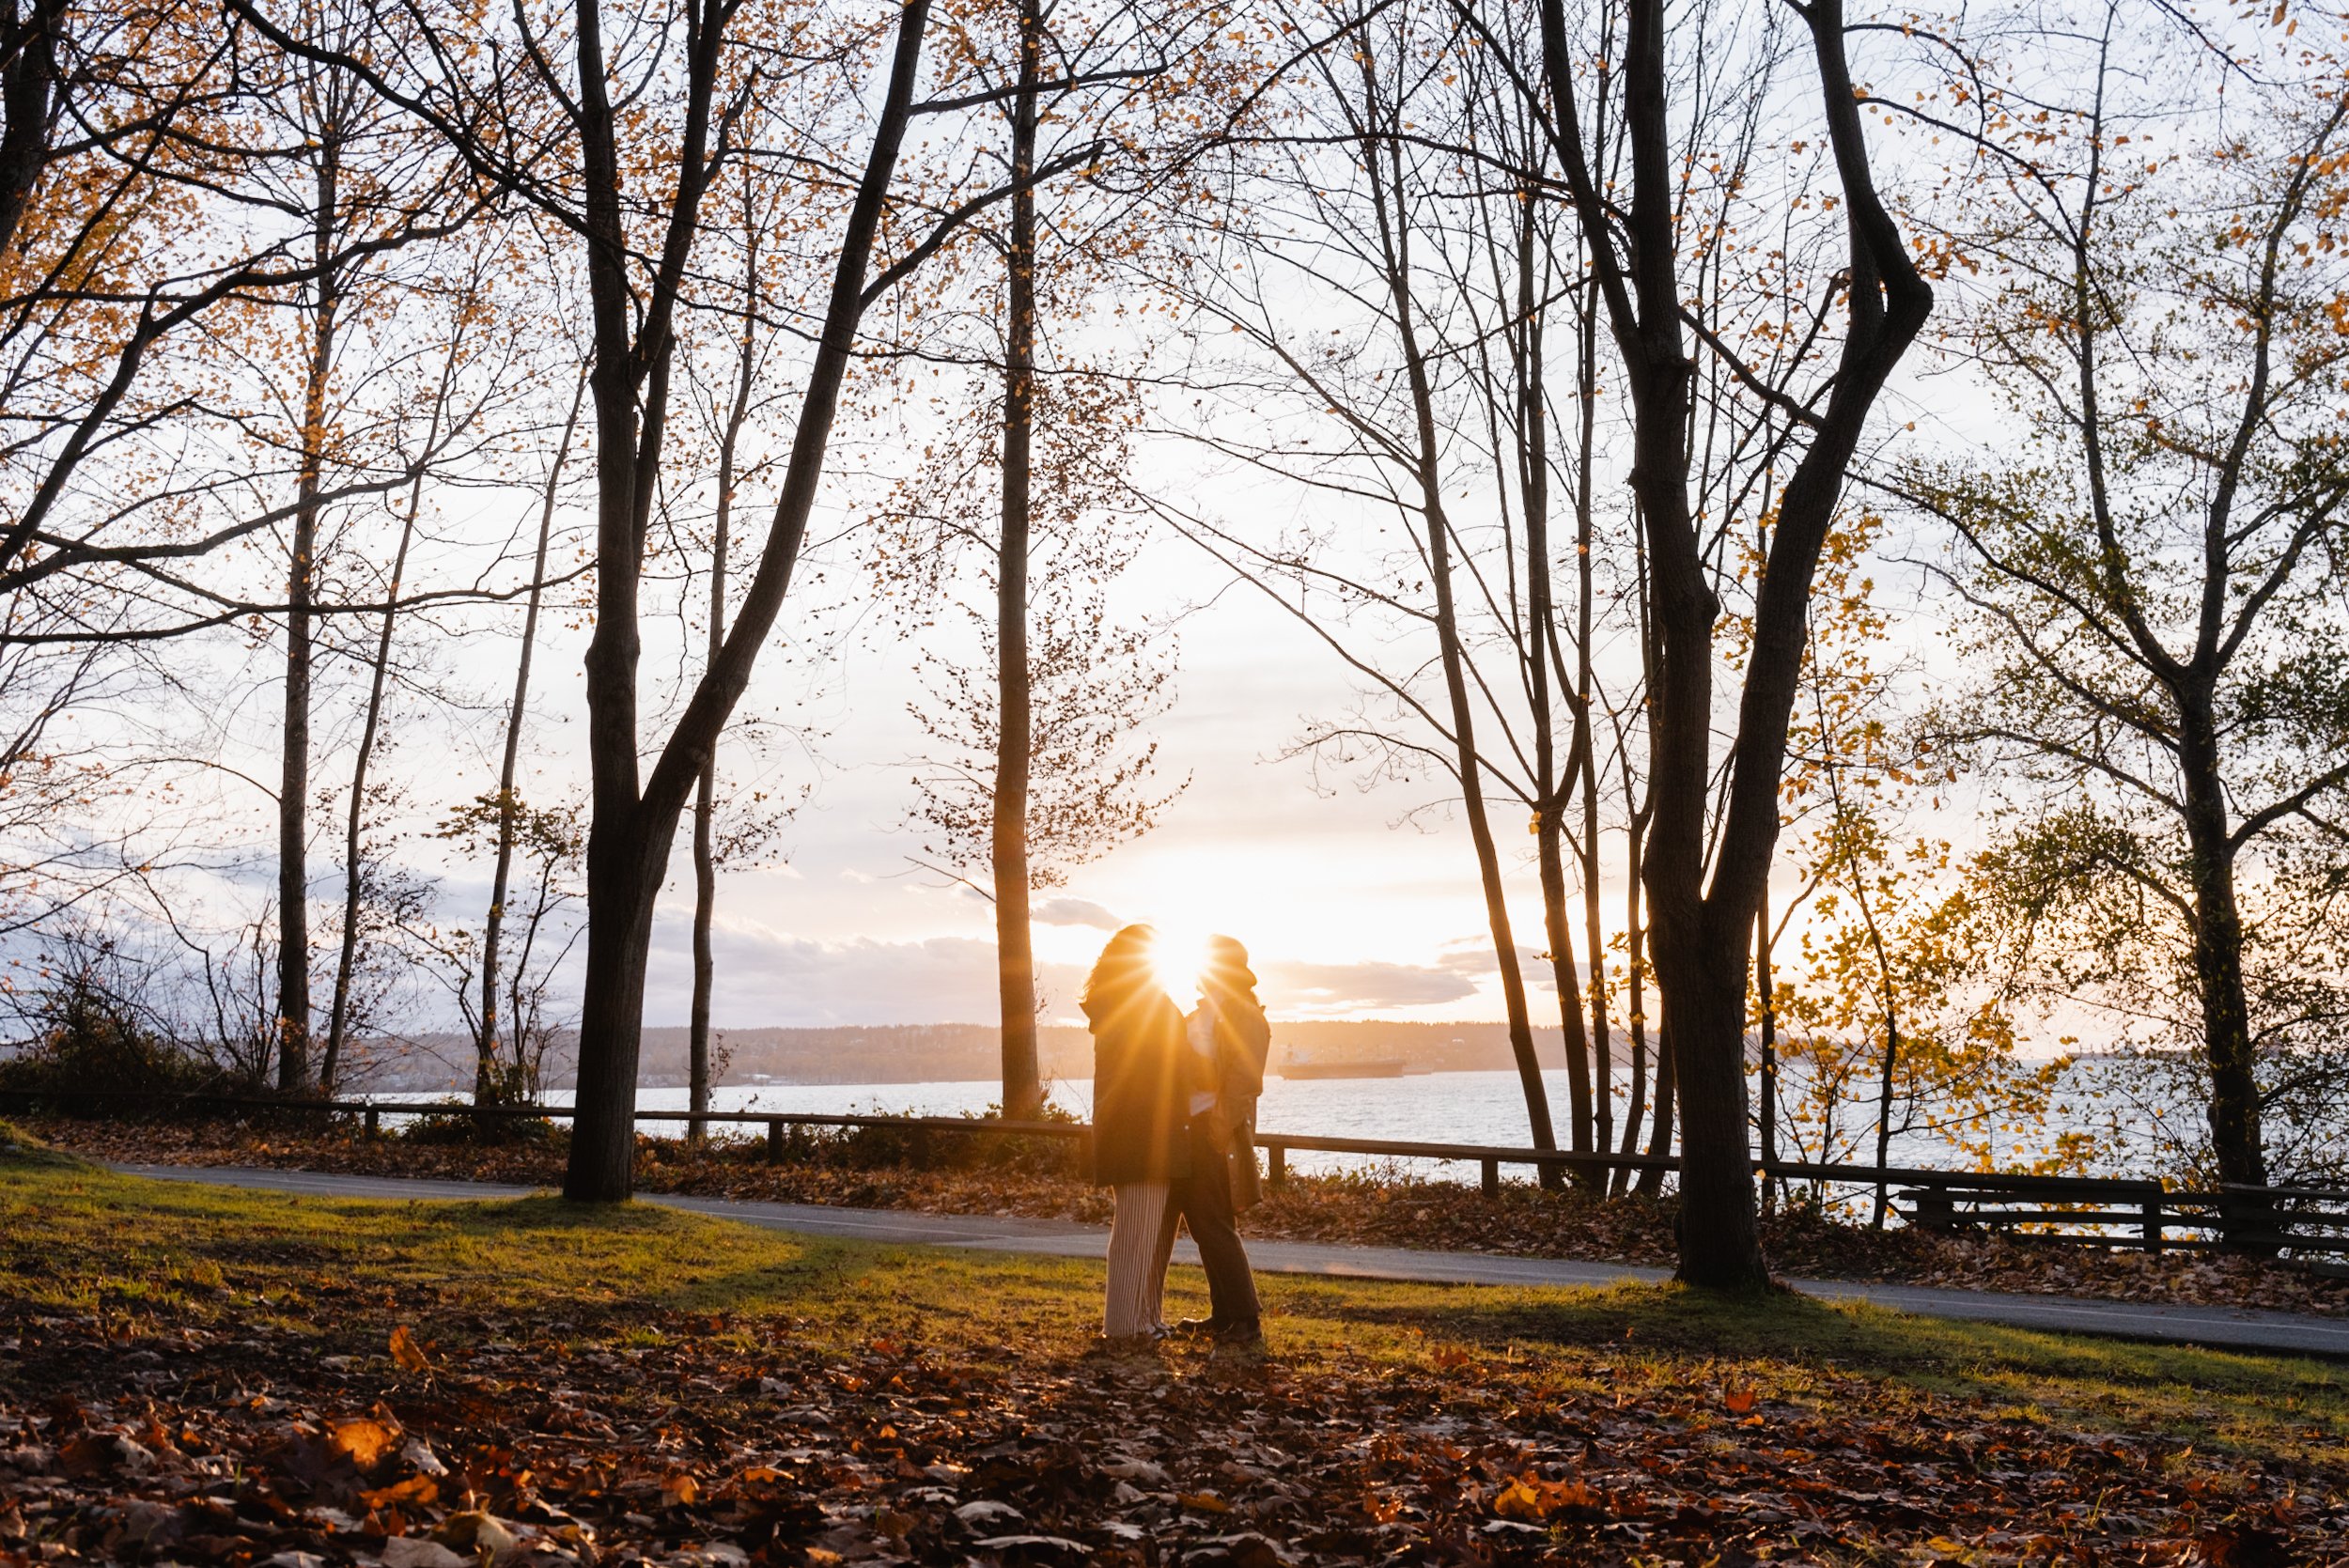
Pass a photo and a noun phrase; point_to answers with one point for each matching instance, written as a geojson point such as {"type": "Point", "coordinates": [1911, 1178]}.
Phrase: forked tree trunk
{"type": "Point", "coordinates": [1015, 956]}
{"type": "Point", "coordinates": [1702, 931]}
{"type": "Point", "coordinates": [635, 827]}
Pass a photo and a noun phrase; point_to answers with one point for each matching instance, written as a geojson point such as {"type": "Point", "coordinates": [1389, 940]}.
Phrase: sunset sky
{"type": "Point", "coordinates": [1348, 911]}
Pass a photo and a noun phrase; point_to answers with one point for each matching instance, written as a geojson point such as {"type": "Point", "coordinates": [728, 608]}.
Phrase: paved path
{"type": "Point", "coordinates": [2222, 1327]}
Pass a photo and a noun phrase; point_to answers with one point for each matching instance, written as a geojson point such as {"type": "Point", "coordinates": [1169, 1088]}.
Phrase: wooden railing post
{"type": "Point", "coordinates": [775, 1141]}
{"type": "Point", "coordinates": [375, 1123]}
{"type": "Point", "coordinates": [1492, 1178]}
{"type": "Point", "coordinates": [1936, 1211]}
{"type": "Point", "coordinates": [1276, 1164]}
{"type": "Point", "coordinates": [2151, 1229]}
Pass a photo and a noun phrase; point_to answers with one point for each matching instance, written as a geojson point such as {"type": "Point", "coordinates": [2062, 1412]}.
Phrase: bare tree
{"type": "Point", "coordinates": [2152, 575]}
{"type": "Point", "coordinates": [1704, 904]}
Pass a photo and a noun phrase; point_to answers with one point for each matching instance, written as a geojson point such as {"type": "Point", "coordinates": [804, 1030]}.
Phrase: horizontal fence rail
{"type": "Point", "coordinates": [2117, 1211]}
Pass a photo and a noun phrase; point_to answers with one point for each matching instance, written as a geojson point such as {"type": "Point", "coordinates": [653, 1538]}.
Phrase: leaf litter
{"type": "Point", "coordinates": [705, 1439]}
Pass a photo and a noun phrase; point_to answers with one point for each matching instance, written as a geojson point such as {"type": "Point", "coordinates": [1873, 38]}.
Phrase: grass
{"type": "Point", "coordinates": [82, 1239]}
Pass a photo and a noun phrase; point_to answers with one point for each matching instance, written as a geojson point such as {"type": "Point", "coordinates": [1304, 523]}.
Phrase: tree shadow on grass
{"type": "Point", "coordinates": [2164, 1383]}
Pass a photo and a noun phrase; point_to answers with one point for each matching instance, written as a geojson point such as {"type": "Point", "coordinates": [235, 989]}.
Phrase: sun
{"type": "Point", "coordinates": [1176, 959]}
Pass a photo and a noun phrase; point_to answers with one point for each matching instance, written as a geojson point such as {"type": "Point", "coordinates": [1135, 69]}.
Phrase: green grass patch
{"type": "Point", "coordinates": [345, 1270]}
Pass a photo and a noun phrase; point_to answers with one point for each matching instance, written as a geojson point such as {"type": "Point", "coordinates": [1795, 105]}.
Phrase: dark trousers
{"type": "Point", "coordinates": [1204, 1198]}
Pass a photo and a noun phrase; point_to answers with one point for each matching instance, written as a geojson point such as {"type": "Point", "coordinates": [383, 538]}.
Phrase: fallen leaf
{"type": "Point", "coordinates": [407, 1352]}
{"type": "Point", "coordinates": [365, 1440]}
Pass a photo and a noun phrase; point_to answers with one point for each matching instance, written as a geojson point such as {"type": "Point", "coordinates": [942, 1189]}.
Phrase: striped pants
{"type": "Point", "coordinates": [1137, 1264]}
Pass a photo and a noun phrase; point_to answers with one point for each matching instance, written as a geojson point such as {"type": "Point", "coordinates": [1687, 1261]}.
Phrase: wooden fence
{"type": "Point", "coordinates": [2115, 1211]}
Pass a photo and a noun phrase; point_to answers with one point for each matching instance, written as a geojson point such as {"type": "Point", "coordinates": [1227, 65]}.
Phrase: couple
{"type": "Point", "coordinates": [1174, 1114]}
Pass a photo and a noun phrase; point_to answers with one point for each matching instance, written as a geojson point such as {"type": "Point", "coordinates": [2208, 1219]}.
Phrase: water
{"type": "Point", "coordinates": [1433, 1108]}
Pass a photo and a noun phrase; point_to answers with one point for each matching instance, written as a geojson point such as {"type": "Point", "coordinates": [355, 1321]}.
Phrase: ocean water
{"type": "Point", "coordinates": [1438, 1108]}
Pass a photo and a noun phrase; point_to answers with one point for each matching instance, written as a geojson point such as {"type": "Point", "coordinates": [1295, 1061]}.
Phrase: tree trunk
{"type": "Point", "coordinates": [28, 81]}
{"type": "Point", "coordinates": [706, 789]}
{"type": "Point", "coordinates": [1550, 793]}
{"type": "Point", "coordinates": [1393, 234]}
{"type": "Point", "coordinates": [2237, 1143]}
{"type": "Point", "coordinates": [485, 1085]}
{"type": "Point", "coordinates": [1562, 970]}
{"type": "Point", "coordinates": [1720, 1241]}
{"type": "Point", "coordinates": [1884, 1111]}
{"type": "Point", "coordinates": [1024, 1089]}
{"type": "Point", "coordinates": [293, 789]}
{"type": "Point", "coordinates": [1766, 987]}
{"type": "Point", "coordinates": [603, 1164]}
{"type": "Point", "coordinates": [704, 892]}
{"type": "Point", "coordinates": [345, 962]}
{"type": "Point", "coordinates": [1701, 932]}
{"type": "Point", "coordinates": [635, 827]}
{"type": "Point", "coordinates": [1635, 978]}
{"type": "Point", "coordinates": [1584, 759]}
{"type": "Point", "coordinates": [1659, 1131]}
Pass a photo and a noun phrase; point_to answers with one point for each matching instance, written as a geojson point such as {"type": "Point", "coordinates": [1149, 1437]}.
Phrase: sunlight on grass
{"type": "Point", "coordinates": [84, 1238]}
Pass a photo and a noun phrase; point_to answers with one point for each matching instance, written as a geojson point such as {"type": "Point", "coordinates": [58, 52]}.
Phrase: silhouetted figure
{"type": "Point", "coordinates": [1140, 1141]}
{"type": "Point", "coordinates": [1227, 1039]}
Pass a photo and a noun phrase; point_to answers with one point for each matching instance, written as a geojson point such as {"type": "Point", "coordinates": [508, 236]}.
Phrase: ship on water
{"type": "Point", "coordinates": [1300, 1062]}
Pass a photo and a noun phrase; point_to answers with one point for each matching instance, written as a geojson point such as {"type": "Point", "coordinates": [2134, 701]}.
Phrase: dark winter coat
{"type": "Point", "coordinates": [1140, 1100]}
{"type": "Point", "coordinates": [1243, 1041]}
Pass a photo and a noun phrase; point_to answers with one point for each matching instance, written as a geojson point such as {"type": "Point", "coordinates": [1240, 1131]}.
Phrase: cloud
{"type": "Point", "coordinates": [1076, 912]}
{"type": "Point", "coordinates": [1294, 987]}
{"type": "Point", "coordinates": [769, 978]}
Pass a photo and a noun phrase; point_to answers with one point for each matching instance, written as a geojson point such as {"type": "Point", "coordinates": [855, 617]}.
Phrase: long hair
{"type": "Point", "coordinates": [1123, 969]}
{"type": "Point", "coordinates": [1231, 985]}
{"type": "Point", "coordinates": [1227, 971]}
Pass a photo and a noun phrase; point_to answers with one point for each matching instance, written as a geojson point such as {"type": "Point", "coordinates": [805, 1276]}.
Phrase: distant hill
{"type": "Point", "coordinates": [951, 1052]}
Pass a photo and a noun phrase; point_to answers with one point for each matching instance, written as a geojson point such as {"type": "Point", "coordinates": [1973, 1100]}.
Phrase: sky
{"type": "Point", "coordinates": [1348, 910]}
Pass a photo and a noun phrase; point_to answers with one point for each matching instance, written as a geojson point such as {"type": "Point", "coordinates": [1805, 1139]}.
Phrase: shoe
{"type": "Point", "coordinates": [1240, 1333]}
{"type": "Point", "coordinates": [1196, 1327]}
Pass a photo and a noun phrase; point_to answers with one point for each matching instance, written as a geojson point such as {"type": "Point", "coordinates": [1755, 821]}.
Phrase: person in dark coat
{"type": "Point", "coordinates": [1227, 1040]}
{"type": "Point", "coordinates": [1140, 1133]}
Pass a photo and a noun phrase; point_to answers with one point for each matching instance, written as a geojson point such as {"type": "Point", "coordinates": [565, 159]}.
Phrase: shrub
{"type": "Point", "coordinates": [91, 1045]}
{"type": "Point", "coordinates": [453, 1121]}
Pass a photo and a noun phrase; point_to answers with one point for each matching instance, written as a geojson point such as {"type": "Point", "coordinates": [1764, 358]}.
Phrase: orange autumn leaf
{"type": "Point", "coordinates": [367, 1441]}
{"type": "Point", "coordinates": [1532, 1498]}
{"type": "Point", "coordinates": [407, 1352]}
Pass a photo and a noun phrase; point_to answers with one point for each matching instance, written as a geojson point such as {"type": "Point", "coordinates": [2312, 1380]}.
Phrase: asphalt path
{"type": "Point", "coordinates": [2221, 1327]}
